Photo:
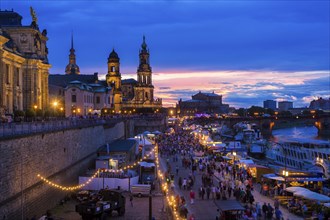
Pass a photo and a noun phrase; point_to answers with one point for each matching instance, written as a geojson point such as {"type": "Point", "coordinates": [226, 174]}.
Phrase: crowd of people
{"type": "Point", "coordinates": [219, 180]}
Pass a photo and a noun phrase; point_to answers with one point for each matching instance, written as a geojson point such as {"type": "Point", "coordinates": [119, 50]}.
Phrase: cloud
{"type": "Point", "coordinates": [248, 51]}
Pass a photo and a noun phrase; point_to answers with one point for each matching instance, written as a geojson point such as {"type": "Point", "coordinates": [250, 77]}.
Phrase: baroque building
{"type": "Point", "coordinates": [77, 94]}
{"type": "Point", "coordinates": [24, 66]}
{"type": "Point", "coordinates": [210, 103]}
{"type": "Point", "coordinates": [131, 95]}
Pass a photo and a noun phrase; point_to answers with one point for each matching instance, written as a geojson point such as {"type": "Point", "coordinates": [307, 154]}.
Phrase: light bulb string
{"type": "Point", "coordinates": [44, 179]}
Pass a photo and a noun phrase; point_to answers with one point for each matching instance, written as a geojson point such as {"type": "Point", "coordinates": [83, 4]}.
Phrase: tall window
{"type": "Point", "coordinates": [7, 74]}
{"type": "Point", "coordinates": [73, 98]}
{"type": "Point", "coordinates": [97, 99]}
{"type": "Point", "coordinates": [17, 77]}
{"type": "Point", "coordinates": [112, 69]}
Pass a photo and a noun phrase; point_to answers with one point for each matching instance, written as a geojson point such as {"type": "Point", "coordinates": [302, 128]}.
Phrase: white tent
{"type": "Point", "coordinates": [294, 189]}
{"type": "Point", "coordinates": [313, 196]}
{"type": "Point", "coordinates": [327, 205]}
{"type": "Point", "coordinates": [273, 176]}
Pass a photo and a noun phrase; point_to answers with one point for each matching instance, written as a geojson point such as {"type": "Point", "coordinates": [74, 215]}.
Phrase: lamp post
{"type": "Point", "coordinates": [55, 106]}
{"type": "Point", "coordinates": [35, 107]}
{"type": "Point", "coordinates": [150, 205]}
{"type": "Point", "coordinates": [234, 153]}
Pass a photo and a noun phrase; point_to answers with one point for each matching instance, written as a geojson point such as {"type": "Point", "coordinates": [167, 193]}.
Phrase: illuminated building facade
{"type": "Point", "coordinates": [24, 64]}
{"type": "Point", "coordinates": [133, 95]}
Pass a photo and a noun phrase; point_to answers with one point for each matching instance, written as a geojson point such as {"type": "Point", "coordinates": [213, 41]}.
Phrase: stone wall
{"type": "Point", "coordinates": [59, 156]}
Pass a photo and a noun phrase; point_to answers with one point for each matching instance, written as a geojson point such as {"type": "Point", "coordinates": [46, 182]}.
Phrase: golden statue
{"type": "Point", "coordinates": [33, 15]}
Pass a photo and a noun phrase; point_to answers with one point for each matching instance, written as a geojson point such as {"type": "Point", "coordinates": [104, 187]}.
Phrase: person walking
{"type": "Point", "coordinates": [265, 210]}
{"type": "Point", "coordinates": [192, 196]}
{"type": "Point", "coordinates": [180, 182]}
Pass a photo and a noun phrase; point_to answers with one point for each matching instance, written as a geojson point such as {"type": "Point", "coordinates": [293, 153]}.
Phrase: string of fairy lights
{"type": "Point", "coordinates": [170, 198]}
{"type": "Point", "coordinates": [89, 180]}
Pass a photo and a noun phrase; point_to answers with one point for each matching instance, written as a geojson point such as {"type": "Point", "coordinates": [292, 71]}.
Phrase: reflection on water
{"type": "Point", "coordinates": [301, 134]}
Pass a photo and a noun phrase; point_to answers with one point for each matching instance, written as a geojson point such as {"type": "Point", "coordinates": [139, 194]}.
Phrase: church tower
{"type": "Point", "coordinates": [144, 91]}
{"type": "Point", "coordinates": [72, 67]}
{"type": "Point", "coordinates": [113, 79]}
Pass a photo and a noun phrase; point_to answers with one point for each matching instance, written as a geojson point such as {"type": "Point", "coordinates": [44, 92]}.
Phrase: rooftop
{"type": "Point", "coordinates": [119, 146]}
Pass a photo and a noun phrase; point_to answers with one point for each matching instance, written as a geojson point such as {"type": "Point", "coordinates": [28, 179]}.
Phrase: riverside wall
{"type": "Point", "coordinates": [60, 156]}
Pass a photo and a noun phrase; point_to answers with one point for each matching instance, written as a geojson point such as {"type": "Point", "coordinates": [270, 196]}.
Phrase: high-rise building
{"type": "Point", "coordinates": [271, 104]}
{"type": "Point", "coordinates": [23, 63]}
{"type": "Point", "coordinates": [285, 105]}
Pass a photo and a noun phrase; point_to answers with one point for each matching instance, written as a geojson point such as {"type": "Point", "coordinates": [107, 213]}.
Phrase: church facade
{"type": "Point", "coordinates": [81, 94]}
{"type": "Point", "coordinates": [24, 66]}
{"type": "Point", "coordinates": [133, 96]}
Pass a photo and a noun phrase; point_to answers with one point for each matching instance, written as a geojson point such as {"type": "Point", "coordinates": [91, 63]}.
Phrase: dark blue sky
{"type": "Point", "coordinates": [188, 37]}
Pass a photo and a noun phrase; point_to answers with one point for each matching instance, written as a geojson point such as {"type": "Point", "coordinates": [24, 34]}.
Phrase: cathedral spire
{"type": "Point", "coordinates": [72, 67]}
{"type": "Point", "coordinates": [72, 40]}
{"type": "Point", "coordinates": [72, 50]}
{"type": "Point", "coordinates": [144, 45]}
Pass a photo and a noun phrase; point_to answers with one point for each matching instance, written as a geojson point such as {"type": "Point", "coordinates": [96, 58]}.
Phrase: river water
{"type": "Point", "coordinates": [301, 134]}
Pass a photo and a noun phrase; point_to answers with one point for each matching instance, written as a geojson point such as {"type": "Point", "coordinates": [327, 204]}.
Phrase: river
{"type": "Point", "coordinates": [301, 134]}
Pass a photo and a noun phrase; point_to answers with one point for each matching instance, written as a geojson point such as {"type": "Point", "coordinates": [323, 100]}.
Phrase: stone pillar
{"type": "Point", "coordinates": [323, 126]}
{"type": "Point", "coordinates": [266, 126]}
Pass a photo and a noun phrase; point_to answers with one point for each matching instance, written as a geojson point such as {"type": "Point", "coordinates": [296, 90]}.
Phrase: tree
{"type": "Point", "coordinates": [240, 112]}
{"type": "Point", "coordinates": [256, 110]}
{"type": "Point", "coordinates": [29, 113]}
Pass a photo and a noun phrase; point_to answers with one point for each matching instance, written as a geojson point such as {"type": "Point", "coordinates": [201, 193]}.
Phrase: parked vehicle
{"type": "Point", "coordinates": [141, 190]}
{"type": "Point", "coordinates": [106, 201]}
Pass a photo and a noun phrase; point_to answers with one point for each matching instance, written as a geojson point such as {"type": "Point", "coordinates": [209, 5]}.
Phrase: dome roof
{"type": "Point", "coordinates": [113, 55]}
{"type": "Point", "coordinates": [72, 68]}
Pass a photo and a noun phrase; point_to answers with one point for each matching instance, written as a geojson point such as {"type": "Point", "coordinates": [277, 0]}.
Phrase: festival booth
{"type": "Point", "coordinates": [229, 209]}
{"type": "Point", "coordinates": [216, 147]}
{"type": "Point", "coordinates": [232, 157]}
{"type": "Point", "coordinates": [257, 171]}
{"type": "Point", "coordinates": [306, 197]}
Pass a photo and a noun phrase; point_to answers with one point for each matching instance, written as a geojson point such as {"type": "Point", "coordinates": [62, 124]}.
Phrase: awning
{"type": "Point", "coordinates": [327, 205]}
{"type": "Point", "coordinates": [313, 196]}
{"type": "Point", "coordinates": [245, 161]}
{"type": "Point", "coordinates": [229, 205]}
{"type": "Point", "coordinates": [273, 176]}
{"type": "Point", "coordinates": [226, 158]}
{"type": "Point", "coordinates": [257, 166]}
{"type": "Point", "coordinates": [294, 189]}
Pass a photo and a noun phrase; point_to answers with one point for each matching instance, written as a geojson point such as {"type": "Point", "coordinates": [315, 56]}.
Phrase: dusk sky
{"type": "Point", "coordinates": [248, 51]}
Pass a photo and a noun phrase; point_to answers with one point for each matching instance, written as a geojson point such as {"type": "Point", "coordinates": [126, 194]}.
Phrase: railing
{"type": "Point", "coordinates": [8, 130]}
{"type": "Point", "coordinates": [13, 129]}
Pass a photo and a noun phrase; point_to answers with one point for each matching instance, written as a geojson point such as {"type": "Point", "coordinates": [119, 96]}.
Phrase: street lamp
{"type": "Point", "coordinates": [55, 105]}
{"type": "Point", "coordinates": [234, 153]}
{"type": "Point", "coordinates": [285, 174]}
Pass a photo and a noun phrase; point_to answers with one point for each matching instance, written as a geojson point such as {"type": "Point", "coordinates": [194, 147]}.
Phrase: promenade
{"type": "Point", "coordinates": [206, 209]}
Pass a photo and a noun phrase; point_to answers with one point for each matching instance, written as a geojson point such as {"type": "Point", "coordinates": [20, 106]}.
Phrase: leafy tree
{"type": "Point", "coordinates": [285, 114]}
{"type": "Point", "coordinates": [256, 109]}
{"type": "Point", "coordinates": [19, 113]}
{"type": "Point", "coordinates": [269, 111]}
{"type": "Point", "coordinates": [39, 113]}
{"type": "Point", "coordinates": [240, 112]}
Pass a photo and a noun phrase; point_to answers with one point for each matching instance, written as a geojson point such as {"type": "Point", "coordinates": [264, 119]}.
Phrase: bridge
{"type": "Point", "coordinates": [267, 124]}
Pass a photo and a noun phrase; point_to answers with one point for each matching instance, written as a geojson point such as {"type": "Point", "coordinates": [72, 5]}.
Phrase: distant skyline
{"type": "Point", "coordinates": [247, 51]}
